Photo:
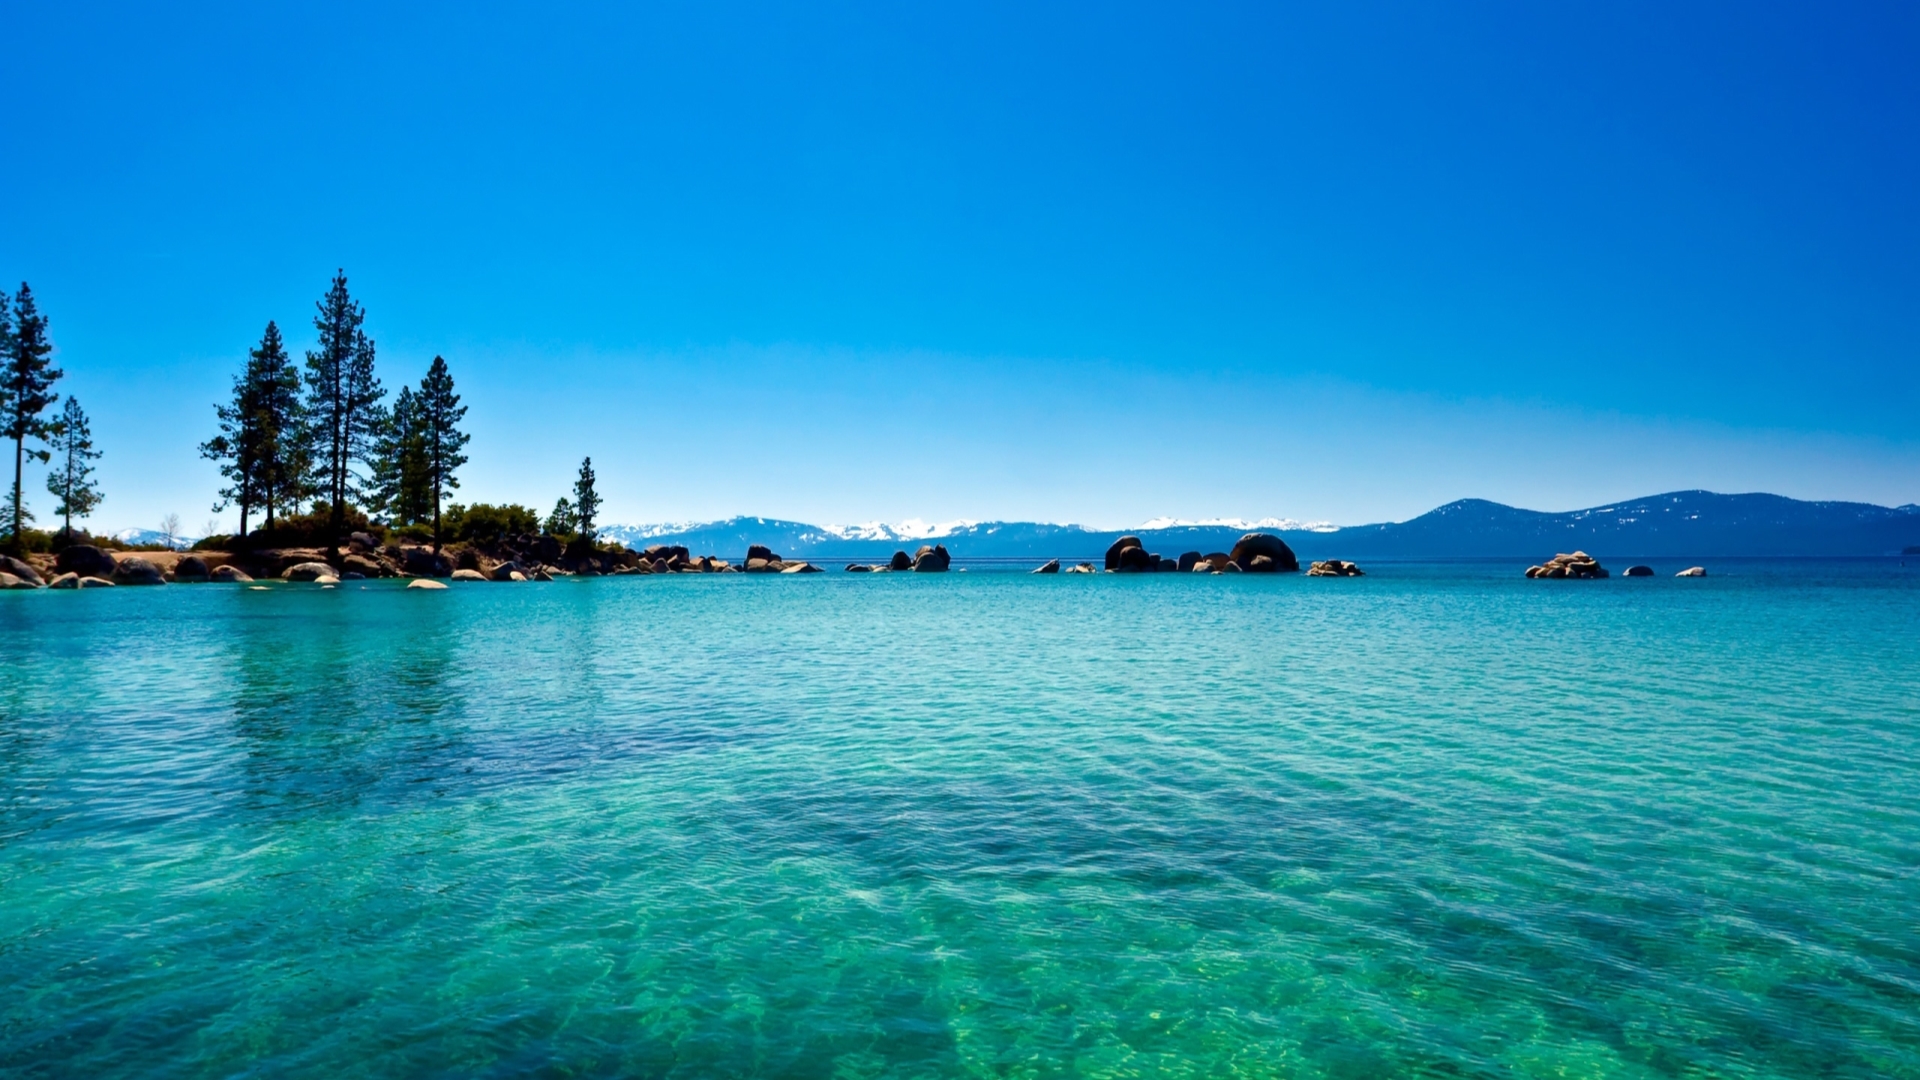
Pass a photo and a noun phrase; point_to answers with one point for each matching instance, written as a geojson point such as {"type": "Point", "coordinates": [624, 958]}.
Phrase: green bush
{"type": "Point", "coordinates": [313, 529]}
{"type": "Point", "coordinates": [484, 523]}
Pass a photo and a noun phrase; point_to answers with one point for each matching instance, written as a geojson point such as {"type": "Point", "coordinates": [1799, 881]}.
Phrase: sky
{"type": "Point", "coordinates": [1332, 262]}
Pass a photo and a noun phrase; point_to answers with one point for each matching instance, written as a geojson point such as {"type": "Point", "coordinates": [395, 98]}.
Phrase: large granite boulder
{"type": "Point", "coordinates": [11, 581]}
{"type": "Point", "coordinates": [1115, 549]}
{"type": "Point", "coordinates": [1578, 565]}
{"type": "Point", "coordinates": [426, 583]}
{"type": "Point", "coordinates": [506, 570]}
{"type": "Point", "coordinates": [1214, 563]}
{"type": "Point", "coordinates": [422, 562]}
{"type": "Point", "coordinates": [1280, 557]}
{"type": "Point", "coordinates": [230, 574]}
{"type": "Point", "coordinates": [191, 568]}
{"type": "Point", "coordinates": [678, 553]}
{"type": "Point", "coordinates": [1188, 559]}
{"type": "Point", "coordinates": [84, 560]}
{"type": "Point", "coordinates": [934, 559]}
{"type": "Point", "coordinates": [463, 574]}
{"type": "Point", "coordinates": [1130, 560]}
{"type": "Point", "coordinates": [900, 561]}
{"type": "Point", "coordinates": [134, 570]}
{"type": "Point", "coordinates": [362, 542]}
{"type": "Point", "coordinates": [1051, 566]}
{"type": "Point", "coordinates": [64, 581]}
{"type": "Point", "coordinates": [21, 569]}
{"type": "Point", "coordinates": [308, 571]}
{"type": "Point", "coordinates": [1638, 571]}
{"type": "Point", "coordinates": [754, 551]}
{"type": "Point", "coordinates": [364, 565]}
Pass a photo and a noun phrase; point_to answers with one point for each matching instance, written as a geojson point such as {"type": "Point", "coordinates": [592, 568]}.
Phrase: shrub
{"type": "Point", "coordinates": [484, 523]}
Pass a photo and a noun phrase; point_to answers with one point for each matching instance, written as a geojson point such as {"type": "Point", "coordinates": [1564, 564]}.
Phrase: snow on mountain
{"type": "Point", "coordinates": [1242, 524]}
{"type": "Point", "coordinates": [181, 541]}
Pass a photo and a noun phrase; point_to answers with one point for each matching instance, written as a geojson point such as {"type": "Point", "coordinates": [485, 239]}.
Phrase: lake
{"type": "Point", "coordinates": [1438, 821]}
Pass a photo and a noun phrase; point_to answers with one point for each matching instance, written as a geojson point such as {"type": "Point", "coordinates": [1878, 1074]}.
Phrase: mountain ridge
{"type": "Point", "coordinates": [1675, 523]}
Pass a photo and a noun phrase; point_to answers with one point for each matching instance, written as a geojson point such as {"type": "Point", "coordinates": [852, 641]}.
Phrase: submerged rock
{"type": "Point", "coordinates": [426, 583]}
{"type": "Point", "coordinates": [1256, 544]}
{"type": "Point", "coordinates": [95, 583]}
{"type": "Point", "coordinates": [468, 575]}
{"type": "Point", "coordinates": [64, 581]}
{"type": "Point", "coordinates": [1638, 571]}
{"type": "Point", "coordinates": [1693, 571]}
{"type": "Point", "coordinates": [1082, 568]}
{"type": "Point", "coordinates": [307, 571]}
{"type": "Point", "coordinates": [230, 574]}
{"type": "Point", "coordinates": [1051, 566]}
{"type": "Point", "coordinates": [859, 568]}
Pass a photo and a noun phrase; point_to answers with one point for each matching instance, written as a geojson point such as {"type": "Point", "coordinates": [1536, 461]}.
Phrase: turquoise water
{"type": "Point", "coordinates": [1440, 821]}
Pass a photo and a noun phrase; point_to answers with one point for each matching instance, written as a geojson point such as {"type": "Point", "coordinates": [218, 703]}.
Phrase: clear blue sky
{"type": "Point", "coordinates": [1329, 261]}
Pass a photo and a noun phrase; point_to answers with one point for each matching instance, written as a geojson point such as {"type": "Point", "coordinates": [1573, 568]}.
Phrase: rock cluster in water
{"type": "Point", "coordinates": [1335, 568]}
{"type": "Point", "coordinates": [1577, 565]}
{"type": "Point", "coordinates": [930, 559]}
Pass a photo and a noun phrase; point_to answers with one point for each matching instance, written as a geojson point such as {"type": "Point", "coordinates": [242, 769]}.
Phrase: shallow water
{"type": "Point", "coordinates": [1437, 821]}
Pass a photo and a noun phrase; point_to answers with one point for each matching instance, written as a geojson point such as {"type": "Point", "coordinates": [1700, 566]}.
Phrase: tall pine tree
{"type": "Point", "coordinates": [259, 446]}
{"type": "Point", "coordinates": [399, 485]}
{"type": "Point", "coordinates": [586, 501]}
{"type": "Point", "coordinates": [29, 375]}
{"type": "Point", "coordinates": [71, 479]}
{"type": "Point", "coordinates": [440, 416]}
{"type": "Point", "coordinates": [343, 402]}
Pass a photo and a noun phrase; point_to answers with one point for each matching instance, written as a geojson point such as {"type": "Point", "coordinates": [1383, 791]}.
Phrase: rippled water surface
{"type": "Point", "coordinates": [1439, 821]}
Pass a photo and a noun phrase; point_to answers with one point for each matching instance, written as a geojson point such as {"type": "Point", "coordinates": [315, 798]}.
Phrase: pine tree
{"type": "Point", "coordinates": [586, 501]}
{"type": "Point", "coordinates": [29, 375]}
{"type": "Point", "coordinates": [343, 401]}
{"type": "Point", "coordinates": [562, 521]}
{"type": "Point", "coordinates": [400, 484]}
{"type": "Point", "coordinates": [440, 415]}
{"type": "Point", "coordinates": [258, 446]}
{"type": "Point", "coordinates": [284, 458]}
{"type": "Point", "coordinates": [71, 480]}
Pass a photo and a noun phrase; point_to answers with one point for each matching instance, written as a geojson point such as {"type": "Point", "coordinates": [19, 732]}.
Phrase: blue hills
{"type": "Point", "coordinates": [1678, 523]}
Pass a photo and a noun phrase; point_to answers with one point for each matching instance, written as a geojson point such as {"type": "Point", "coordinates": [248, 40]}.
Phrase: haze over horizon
{"type": "Point", "coordinates": [1088, 265]}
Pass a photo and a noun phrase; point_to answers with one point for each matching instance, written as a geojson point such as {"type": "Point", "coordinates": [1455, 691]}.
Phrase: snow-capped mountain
{"type": "Point", "coordinates": [181, 541]}
{"type": "Point", "coordinates": [1264, 525]}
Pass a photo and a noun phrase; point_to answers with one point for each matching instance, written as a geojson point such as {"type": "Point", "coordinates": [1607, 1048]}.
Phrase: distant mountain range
{"type": "Point", "coordinates": [1679, 523]}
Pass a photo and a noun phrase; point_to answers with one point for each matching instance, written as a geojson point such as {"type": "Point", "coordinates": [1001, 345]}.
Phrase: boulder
{"type": "Point", "coordinates": [1335, 568]}
{"type": "Point", "coordinates": [64, 581]}
{"type": "Point", "coordinates": [230, 573]}
{"type": "Point", "coordinates": [134, 570]}
{"type": "Point", "coordinates": [307, 571]}
{"type": "Point", "coordinates": [363, 543]}
{"type": "Point", "coordinates": [426, 583]}
{"type": "Point", "coordinates": [1082, 568]}
{"type": "Point", "coordinates": [191, 568]}
{"type": "Point", "coordinates": [1188, 559]}
{"type": "Point", "coordinates": [1254, 544]}
{"type": "Point", "coordinates": [1051, 566]}
{"type": "Point", "coordinates": [761, 552]}
{"type": "Point", "coordinates": [11, 581]}
{"type": "Point", "coordinates": [900, 561]}
{"type": "Point", "coordinates": [800, 568]}
{"type": "Point", "coordinates": [20, 569]}
{"type": "Point", "coordinates": [859, 568]}
{"type": "Point", "coordinates": [364, 565]}
{"type": "Point", "coordinates": [542, 575]}
{"type": "Point", "coordinates": [95, 583]}
{"type": "Point", "coordinates": [506, 570]}
{"type": "Point", "coordinates": [758, 565]}
{"type": "Point", "coordinates": [1129, 560]}
{"type": "Point", "coordinates": [1261, 564]}
{"type": "Point", "coordinates": [1212, 564]}
{"type": "Point", "coordinates": [1579, 565]}
{"type": "Point", "coordinates": [468, 575]}
{"type": "Point", "coordinates": [421, 562]}
{"type": "Point", "coordinates": [932, 559]}
{"type": "Point", "coordinates": [326, 581]}
{"type": "Point", "coordinates": [84, 560]}
{"type": "Point", "coordinates": [1115, 549]}
{"type": "Point", "coordinates": [1638, 571]}
{"type": "Point", "coordinates": [467, 559]}
{"type": "Point", "coordinates": [1693, 571]}
{"type": "Point", "coordinates": [669, 552]}
{"type": "Point", "coordinates": [516, 576]}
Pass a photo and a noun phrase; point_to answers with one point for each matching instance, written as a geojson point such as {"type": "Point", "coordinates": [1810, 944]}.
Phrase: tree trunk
{"type": "Point", "coordinates": [19, 462]}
